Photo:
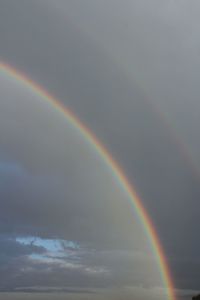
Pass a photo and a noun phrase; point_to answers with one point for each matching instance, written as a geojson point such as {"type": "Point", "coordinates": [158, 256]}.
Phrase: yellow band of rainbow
{"type": "Point", "coordinates": [112, 164]}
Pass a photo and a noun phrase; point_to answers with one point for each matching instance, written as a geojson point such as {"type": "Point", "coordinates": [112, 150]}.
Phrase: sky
{"type": "Point", "coordinates": [129, 70]}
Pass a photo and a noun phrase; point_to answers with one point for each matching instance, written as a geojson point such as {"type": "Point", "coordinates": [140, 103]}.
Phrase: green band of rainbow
{"type": "Point", "coordinates": [114, 167]}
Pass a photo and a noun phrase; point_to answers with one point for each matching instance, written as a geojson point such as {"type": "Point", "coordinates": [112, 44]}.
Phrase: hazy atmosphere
{"type": "Point", "coordinates": [129, 70]}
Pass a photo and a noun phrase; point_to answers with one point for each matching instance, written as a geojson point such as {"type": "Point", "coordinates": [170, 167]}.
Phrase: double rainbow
{"type": "Point", "coordinates": [111, 163]}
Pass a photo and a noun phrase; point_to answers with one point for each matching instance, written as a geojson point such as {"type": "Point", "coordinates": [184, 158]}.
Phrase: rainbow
{"type": "Point", "coordinates": [111, 163]}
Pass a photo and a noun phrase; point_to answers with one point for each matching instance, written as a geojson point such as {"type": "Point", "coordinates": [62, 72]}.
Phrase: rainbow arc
{"type": "Point", "coordinates": [111, 163]}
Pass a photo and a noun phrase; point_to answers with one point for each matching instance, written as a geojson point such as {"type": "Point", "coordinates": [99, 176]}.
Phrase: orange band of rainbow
{"type": "Point", "coordinates": [112, 164]}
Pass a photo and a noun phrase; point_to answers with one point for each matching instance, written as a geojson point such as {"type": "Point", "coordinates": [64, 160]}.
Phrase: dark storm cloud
{"type": "Point", "coordinates": [59, 44]}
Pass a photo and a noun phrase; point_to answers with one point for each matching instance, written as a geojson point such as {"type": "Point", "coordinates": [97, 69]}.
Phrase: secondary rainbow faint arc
{"type": "Point", "coordinates": [112, 164]}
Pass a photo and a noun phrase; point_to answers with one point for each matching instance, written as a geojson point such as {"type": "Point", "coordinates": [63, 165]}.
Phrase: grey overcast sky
{"type": "Point", "coordinates": [130, 71]}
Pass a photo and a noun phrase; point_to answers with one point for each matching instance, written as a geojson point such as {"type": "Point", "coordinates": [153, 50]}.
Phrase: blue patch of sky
{"type": "Point", "coordinates": [55, 248]}
{"type": "Point", "coordinates": [48, 244]}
